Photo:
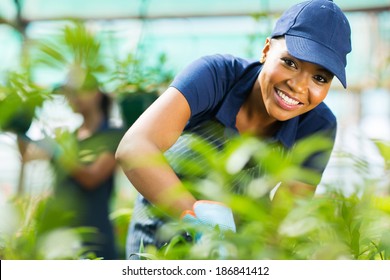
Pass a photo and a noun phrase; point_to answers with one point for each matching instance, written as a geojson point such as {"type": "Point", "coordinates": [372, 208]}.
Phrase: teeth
{"type": "Point", "coordinates": [287, 99]}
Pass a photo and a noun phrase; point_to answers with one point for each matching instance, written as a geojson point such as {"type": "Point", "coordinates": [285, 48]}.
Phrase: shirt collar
{"type": "Point", "coordinates": [237, 94]}
{"type": "Point", "coordinates": [287, 132]}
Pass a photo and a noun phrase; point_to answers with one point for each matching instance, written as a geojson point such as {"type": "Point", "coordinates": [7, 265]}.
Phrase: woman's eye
{"type": "Point", "coordinates": [321, 79]}
{"type": "Point", "coordinates": [289, 62]}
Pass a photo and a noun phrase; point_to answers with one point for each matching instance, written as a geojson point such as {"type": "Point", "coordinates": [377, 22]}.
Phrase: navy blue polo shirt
{"type": "Point", "coordinates": [216, 86]}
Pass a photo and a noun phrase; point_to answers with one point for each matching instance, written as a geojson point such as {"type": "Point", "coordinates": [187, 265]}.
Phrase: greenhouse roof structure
{"type": "Point", "coordinates": [32, 10]}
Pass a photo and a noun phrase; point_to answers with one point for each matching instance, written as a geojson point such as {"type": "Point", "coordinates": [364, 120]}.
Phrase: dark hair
{"type": "Point", "coordinates": [278, 37]}
{"type": "Point", "coordinates": [105, 104]}
{"type": "Point", "coordinates": [92, 83]}
{"type": "Point", "coordinates": [105, 101]}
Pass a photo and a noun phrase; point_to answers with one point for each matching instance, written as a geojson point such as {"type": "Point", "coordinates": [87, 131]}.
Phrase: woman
{"type": "Point", "coordinates": [85, 171]}
{"type": "Point", "coordinates": [84, 166]}
{"type": "Point", "coordinates": [279, 98]}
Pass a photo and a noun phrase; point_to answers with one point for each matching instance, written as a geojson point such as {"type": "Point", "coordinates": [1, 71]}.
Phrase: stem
{"type": "Point", "coordinates": [20, 188]}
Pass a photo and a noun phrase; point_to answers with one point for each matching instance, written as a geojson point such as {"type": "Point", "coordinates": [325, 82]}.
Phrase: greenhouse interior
{"type": "Point", "coordinates": [139, 46]}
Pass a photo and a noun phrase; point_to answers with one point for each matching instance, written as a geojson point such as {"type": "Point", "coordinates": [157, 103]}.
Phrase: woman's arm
{"type": "Point", "coordinates": [140, 153]}
{"type": "Point", "coordinates": [92, 175]}
{"type": "Point", "coordinates": [29, 150]}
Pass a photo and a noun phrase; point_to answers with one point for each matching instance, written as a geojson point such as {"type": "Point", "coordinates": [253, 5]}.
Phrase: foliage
{"type": "Point", "coordinates": [19, 98]}
{"type": "Point", "coordinates": [34, 227]}
{"type": "Point", "coordinates": [384, 149]}
{"type": "Point", "coordinates": [328, 226]}
{"type": "Point", "coordinates": [75, 49]}
{"type": "Point", "coordinates": [120, 219]}
{"type": "Point", "coordinates": [134, 75]}
{"type": "Point", "coordinates": [138, 84]}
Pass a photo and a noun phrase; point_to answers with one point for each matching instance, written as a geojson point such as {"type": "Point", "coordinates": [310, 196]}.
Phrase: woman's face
{"type": "Point", "coordinates": [289, 86]}
{"type": "Point", "coordinates": [83, 101]}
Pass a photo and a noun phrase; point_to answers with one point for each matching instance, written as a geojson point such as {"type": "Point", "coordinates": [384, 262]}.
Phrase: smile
{"type": "Point", "coordinates": [286, 99]}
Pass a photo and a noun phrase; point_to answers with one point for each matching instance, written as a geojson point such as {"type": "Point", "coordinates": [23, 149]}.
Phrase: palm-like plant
{"type": "Point", "coordinates": [75, 49]}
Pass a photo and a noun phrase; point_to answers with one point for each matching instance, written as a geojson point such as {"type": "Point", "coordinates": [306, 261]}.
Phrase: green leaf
{"type": "Point", "coordinates": [384, 149]}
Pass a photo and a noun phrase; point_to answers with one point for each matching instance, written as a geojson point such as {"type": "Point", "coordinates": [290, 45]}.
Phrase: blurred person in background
{"type": "Point", "coordinates": [278, 99]}
{"type": "Point", "coordinates": [84, 167]}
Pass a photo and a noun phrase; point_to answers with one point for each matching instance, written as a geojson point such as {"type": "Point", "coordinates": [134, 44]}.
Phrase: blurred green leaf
{"type": "Point", "coordinates": [75, 50]}
{"type": "Point", "coordinates": [384, 149]}
{"type": "Point", "coordinates": [134, 75]}
{"type": "Point", "coordinates": [19, 99]}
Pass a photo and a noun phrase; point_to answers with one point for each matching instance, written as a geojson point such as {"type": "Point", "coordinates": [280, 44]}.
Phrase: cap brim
{"type": "Point", "coordinates": [310, 51]}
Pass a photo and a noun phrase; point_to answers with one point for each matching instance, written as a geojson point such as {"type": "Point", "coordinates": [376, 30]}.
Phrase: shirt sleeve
{"type": "Point", "coordinates": [205, 82]}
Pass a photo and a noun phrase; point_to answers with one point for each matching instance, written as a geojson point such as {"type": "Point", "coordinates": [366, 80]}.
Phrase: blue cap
{"type": "Point", "coordinates": [317, 31]}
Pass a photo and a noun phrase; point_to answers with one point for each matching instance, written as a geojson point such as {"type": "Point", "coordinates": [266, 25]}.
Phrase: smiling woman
{"type": "Point", "coordinates": [294, 85]}
{"type": "Point", "coordinates": [279, 99]}
{"type": "Point", "coordinates": [185, 31]}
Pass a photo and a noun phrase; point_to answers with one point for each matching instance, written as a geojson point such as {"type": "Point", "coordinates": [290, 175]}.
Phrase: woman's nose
{"type": "Point", "coordinates": [299, 83]}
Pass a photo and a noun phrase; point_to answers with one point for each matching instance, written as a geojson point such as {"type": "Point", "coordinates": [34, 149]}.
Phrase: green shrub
{"type": "Point", "coordinates": [332, 225]}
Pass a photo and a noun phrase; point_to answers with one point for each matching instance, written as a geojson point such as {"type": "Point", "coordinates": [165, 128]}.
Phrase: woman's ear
{"type": "Point", "coordinates": [265, 50]}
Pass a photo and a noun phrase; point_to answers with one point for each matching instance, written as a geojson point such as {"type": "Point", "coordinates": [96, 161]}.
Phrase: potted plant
{"type": "Point", "coordinates": [139, 85]}
{"type": "Point", "coordinates": [19, 99]}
